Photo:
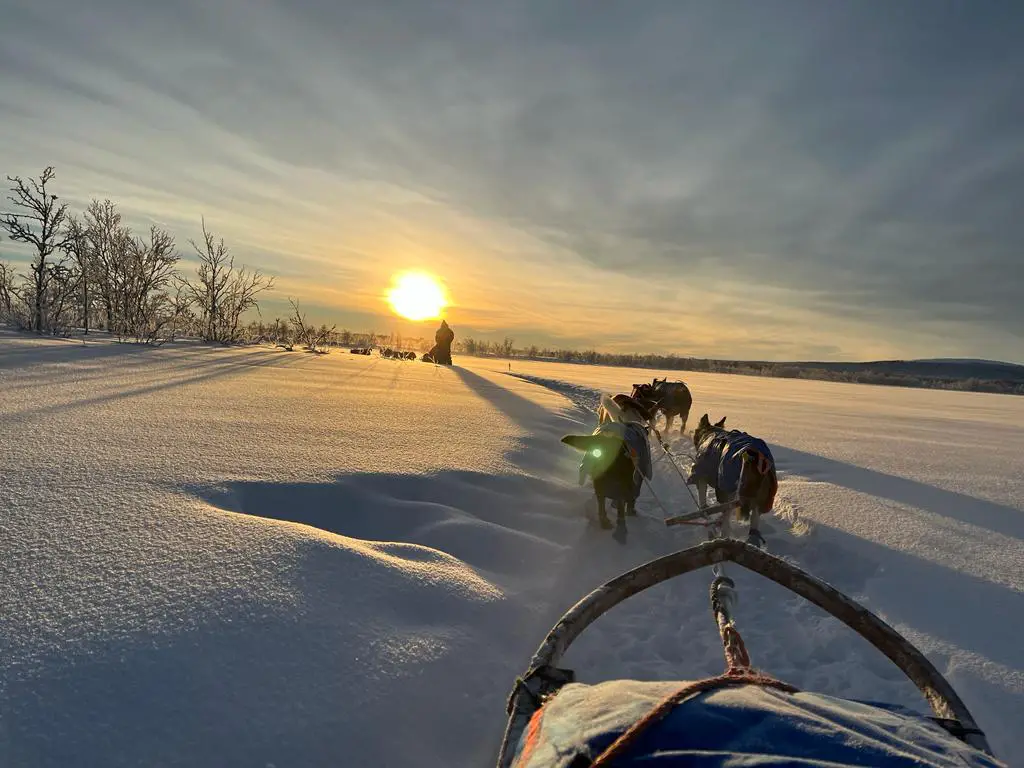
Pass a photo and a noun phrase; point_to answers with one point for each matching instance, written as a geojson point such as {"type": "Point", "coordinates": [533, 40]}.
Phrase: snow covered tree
{"type": "Point", "coordinates": [107, 245]}
{"type": "Point", "coordinates": [9, 298]}
{"type": "Point", "coordinates": [222, 293]}
{"type": "Point", "coordinates": [146, 275]}
{"type": "Point", "coordinates": [77, 247]}
{"type": "Point", "coordinates": [133, 275]}
{"type": "Point", "coordinates": [40, 223]}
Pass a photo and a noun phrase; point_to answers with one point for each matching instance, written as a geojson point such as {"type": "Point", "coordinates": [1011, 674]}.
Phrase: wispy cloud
{"type": "Point", "coordinates": [781, 180]}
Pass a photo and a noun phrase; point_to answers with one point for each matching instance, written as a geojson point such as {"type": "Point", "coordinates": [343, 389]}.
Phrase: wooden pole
{"type": "Point", "coordinates": [714, 509]}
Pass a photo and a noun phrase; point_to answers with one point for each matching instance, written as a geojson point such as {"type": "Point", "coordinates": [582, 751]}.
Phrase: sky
{"type": "Point", "coordinates": [773, 181]}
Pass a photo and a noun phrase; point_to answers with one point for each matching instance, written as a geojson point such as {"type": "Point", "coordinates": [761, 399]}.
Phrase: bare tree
{"type": "Point", "coordinates": [223, 293]}
{"type": "Point", "coordinates": [183, 320]}
{"type": "Point", "coordinates": [282, 334]}
{"type": "Point", "coordinates": [108, 242]}
{"type": "Point", "coordinates": [133, 275]}
{"type": "Point", "coordinates": [312, 339]}
{"type": "Point", "coordinates": [40, 226]}
{"type": "Point", "coordinates": [61, 288]}
{"type": "Point", "coordinates": [78, 248]}
{"type": "Point", "coordinates": [145, 275]}
{"type": "Point", "coordinates": [10, 299]}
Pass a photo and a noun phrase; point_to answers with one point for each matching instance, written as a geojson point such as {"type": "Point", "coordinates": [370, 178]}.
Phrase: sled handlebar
{"type": "Point", "coordinates": [543, 676]}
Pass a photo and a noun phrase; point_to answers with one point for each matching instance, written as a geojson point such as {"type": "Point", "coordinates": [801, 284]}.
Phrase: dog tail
{"type": "Point", "coordinates": [757, 460]}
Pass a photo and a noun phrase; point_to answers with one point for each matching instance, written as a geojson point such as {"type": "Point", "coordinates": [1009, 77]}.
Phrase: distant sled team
{"type": "Point", "coordinates": [396, 354]}
{"type": "Point", "coordinates": [739, 467]}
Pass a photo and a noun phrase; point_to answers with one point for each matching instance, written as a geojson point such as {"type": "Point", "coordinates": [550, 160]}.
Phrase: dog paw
{"type": "Point", "coordinates": [620, 533]}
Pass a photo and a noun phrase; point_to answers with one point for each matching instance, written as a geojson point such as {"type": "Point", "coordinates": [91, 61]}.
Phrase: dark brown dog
{"type": "Point", "coordinates": [671, 398]}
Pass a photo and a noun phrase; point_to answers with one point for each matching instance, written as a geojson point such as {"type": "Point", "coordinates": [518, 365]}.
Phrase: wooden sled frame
{"type": "Point", "coordinates": [714, 509]}
{"type": "Point", "coordinates": [544, 678]}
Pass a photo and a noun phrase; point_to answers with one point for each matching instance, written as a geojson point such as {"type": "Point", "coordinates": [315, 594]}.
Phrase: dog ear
{"type": "Point", "coordinates": [720, 422]}
{"type": "Point", "coordinates": [705, 421]}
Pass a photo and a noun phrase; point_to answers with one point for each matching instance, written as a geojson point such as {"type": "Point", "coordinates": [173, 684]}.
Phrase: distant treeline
{"type": "Point", "coordinates": [966, 376]}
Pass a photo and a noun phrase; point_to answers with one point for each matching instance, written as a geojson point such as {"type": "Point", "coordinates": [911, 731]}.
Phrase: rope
{"type": "Point", "coordinates": [733, 676]}
{"type": "Point", "coordinates": [672, 461]}
{"type": "Point", "coordinates": [667, 454]}
{"type": "Point", "coordinates": [650, 487]}
{"type": "Point", "coordinates": [647, 482]}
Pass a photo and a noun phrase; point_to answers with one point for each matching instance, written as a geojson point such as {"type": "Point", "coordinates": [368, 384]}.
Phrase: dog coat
{"type": "Point", "coordinates": [615, 441]}
{"type": "Point", "coordinates": [721, 458]}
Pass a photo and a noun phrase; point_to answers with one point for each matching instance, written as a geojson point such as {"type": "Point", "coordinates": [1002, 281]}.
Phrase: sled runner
{"type": "Point", "coordinates": [741, 717]}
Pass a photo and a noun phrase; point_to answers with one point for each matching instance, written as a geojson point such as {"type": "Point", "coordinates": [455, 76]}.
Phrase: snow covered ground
{"type": "Point", "coordinates": [250, 557]}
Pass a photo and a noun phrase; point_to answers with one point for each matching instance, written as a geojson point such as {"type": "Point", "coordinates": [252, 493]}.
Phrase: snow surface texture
{"type": "Point", "coordinates": [249, 557]}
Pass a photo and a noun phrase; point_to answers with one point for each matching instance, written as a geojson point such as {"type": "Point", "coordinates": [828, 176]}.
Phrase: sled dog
{"type": "Point", "coordinates": [739, 467]}
{"type": "Point", "coordinates": [616, 456]}
{"type": "Point", "coordinates": [670, 398]}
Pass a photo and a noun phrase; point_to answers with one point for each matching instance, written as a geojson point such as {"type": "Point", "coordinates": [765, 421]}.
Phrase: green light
{"type": "Point", "coordinates": [596, 453]}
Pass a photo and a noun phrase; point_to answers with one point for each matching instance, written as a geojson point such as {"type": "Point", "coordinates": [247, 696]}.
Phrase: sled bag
{"type": "Point", "coordinates": [741, 725]}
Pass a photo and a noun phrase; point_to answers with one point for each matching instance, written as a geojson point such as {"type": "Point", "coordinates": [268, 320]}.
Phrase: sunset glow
{"type": "Point", "coordinates": [417, 296]}
{"type": "Point", "coordinates": [799, 215]}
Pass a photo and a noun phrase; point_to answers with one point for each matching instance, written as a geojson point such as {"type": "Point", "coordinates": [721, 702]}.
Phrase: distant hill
{"type": "Point", "coordinates": [966, 375]}
{"type": "Point", "coordinates": [939, 373]}
{"type": "Point", "coordinates": [964, 360]}
{"type": "Point", "coordinates": [946, 370]}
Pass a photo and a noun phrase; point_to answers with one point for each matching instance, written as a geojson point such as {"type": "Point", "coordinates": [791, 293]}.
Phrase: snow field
{"type": "Point", "coordinates": [253, 557]}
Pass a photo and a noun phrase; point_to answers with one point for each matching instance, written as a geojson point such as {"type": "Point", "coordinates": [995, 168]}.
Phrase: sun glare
{"type": "Point", "coordinates": [417, 296]}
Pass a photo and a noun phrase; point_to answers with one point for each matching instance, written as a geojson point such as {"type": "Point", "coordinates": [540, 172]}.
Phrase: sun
{"type": "Point", "coordinates": [416, 296]}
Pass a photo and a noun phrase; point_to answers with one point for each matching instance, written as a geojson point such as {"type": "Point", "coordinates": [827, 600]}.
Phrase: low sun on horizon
{"type": "Point", "coordinates": [417, 296]}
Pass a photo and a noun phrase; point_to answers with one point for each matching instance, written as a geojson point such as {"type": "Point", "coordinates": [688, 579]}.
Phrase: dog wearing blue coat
{"type": "Point", "coordinates": [738, 466]}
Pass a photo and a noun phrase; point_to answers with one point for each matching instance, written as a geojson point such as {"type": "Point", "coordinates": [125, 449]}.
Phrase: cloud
{"type": "Point", "coordinates": [729, 179]}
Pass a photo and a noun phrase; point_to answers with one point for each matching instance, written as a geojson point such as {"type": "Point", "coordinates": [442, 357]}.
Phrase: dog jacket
{"type": "Point", "coordinates": [721, 459]}
{"type": "Point", "coordinates": [617, 443]}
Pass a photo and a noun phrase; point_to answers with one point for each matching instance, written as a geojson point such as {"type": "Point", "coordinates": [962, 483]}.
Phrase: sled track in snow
{"type": "Point", "coordinates": [586, 398]}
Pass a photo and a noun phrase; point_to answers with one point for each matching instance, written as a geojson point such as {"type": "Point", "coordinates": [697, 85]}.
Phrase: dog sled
{"type": "Point", "coordinates": [741, 717]}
